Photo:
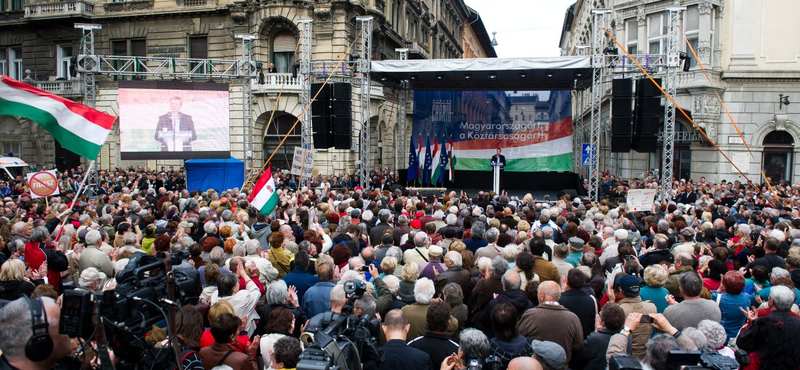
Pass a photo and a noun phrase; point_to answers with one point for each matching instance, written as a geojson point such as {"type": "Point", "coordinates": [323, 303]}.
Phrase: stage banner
{"type": "Point", "coordinates": [533, 129]}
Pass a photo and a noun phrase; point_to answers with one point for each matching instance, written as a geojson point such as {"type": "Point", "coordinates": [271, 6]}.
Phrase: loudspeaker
{"type": "Point", "coordinates": [620, 144]}
{"type": "Point", "coordinates": [648, 116]}
{"type": "Point", "coordinates": [341, 114]}
{"type": "Point", "coordinates": [321, 122]}
{"type": "Point", "coordinates": [571, 192]}
{"type": "Point", "coordinates": [40, 345]}
{"type": "Point", "coordinates": [622, 97]}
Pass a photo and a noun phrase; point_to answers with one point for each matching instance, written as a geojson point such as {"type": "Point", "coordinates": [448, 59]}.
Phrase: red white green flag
{"type": "Point", "coordinates": [263, 197]}
{"type": "Point", "coordinates": [75, 126]}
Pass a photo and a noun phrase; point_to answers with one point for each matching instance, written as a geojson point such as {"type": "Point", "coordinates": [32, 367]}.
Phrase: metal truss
{"type": "Point", "coordinates": [599, 20]}
{"type": "Point", "coordinates": [364, 69]}
{"type": "Point", "coordinates": [400, 145]}
{"type": "Point", "coordinates": [89, 84]}
{"type": "Point", "coordinates": [248, 68]}
{"type": "Point", "coordinates": [673, 61]}
{"type": "Point", "coordinates": [306, 132]}
{"type": "Point", "coordinates": [125, 65]}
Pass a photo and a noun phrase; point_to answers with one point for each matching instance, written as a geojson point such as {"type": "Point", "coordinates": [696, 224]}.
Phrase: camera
{"type": "Point", "coordinates": [345, 341]}
{"type": "Point", "coordinates": [146, 288]}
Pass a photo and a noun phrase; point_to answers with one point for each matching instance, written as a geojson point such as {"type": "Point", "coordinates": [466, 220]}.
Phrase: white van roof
{"type": "Point", "coordinates": [12, 162]}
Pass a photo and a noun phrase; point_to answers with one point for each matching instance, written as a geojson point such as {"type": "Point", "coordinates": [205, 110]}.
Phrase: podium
{"type": "Point", "coordinates": [173, 139]}
{"type": "Point", "coordinates": [496, 166]}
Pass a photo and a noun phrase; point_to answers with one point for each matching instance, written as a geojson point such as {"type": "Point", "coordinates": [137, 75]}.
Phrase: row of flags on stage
{"type": "Point", "coordinates": [439, 164]}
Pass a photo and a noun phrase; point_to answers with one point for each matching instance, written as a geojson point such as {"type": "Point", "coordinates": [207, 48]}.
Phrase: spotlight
{"type": "Point", "coordinates": [413, 77]}
{"type": "Point", "coordinates": [549, 74]}
{"type": "Point", "coordinates": [523, 75]}
{"type": "Point", "coordinates": [439, 77]}
{"type": "Point", "coordinates": [578, 74]}
{"type": "Point", "coordinates": [467, 76]}
{"type": "Point", "coordinates": [492, 76]}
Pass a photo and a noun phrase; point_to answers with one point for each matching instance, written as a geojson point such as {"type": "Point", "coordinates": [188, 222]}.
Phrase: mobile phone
{"type": "Point", "coordinates": [364, 268]}
{"type": "Point", "coordinates": [646, 319]}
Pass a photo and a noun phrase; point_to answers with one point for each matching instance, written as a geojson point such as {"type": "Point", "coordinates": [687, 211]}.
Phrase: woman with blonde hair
{"type": "Point", "coordinates": [15, 280]}
{"type": "Point", "coordinates": [654, 278]}
{"type": "Point", "coordinates": [408, 278]}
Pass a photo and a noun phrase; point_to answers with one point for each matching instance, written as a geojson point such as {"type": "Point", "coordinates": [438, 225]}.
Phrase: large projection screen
{"type": "Point", "coordinates": [533, 129]}
{"type": "Point", "coordinates": [173, 120]}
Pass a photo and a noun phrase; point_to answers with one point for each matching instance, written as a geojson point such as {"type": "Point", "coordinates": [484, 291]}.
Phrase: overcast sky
{"type": "Point", "coordinates": [525, 28]}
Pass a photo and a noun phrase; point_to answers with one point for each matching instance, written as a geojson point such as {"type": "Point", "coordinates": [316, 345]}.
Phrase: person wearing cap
{"type": "Point", "coordinates": [550, 321]}
{"type": "Point", "coordinates": [576, 245]}
{"type": "Point", "coordinates": [434, 266]}
{"type": "Point", "coordinates": [449, 236]}
{"type": "Point", "coordinates": [549, 354]}
{"type": "Point", "coordinates": [629, 286]}
{"type": "Point", "coordinates": [91, 280]}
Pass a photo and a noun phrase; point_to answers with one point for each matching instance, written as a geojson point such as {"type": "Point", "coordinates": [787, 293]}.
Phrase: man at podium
{"type": "Point", "coordinates": [499, 160]}
{"type": "Point", "coordinates": [175, 130]}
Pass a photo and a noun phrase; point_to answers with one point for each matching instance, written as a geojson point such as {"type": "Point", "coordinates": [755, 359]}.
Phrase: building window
{"type": "Point", "coordinates": [64, 55]}
{"type": "Point", "coordinates": [691, 26]}
{"type": "Point", "coordinates": [656, 34]}
{"type": "Point", "coordinates": [276, 132]}
{"type": "Point", "coordinates": [283, 46]}
{"type": "Point", "coordinates": [632, 36]}
{"type": "Point", "coordinates": [198, 49]}
{"type": "Point", "coordinates": [777, 158]}
{"type": "Point", "coordinates": [16, 5]}
{"type": "Point", "coordinates": [4, 61]}
{"type": "Point", "coordinates": [15, 65]}
{"type": "Point", "coordinates": [134, 48]}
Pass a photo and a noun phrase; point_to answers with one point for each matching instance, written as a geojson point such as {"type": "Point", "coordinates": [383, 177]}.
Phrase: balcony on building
{"type": "Point", "coordinates": [61, 87]}
{"type": "Point", "coordinates": [273, 83]}
{"type": "Point", "coordinates": [417, 50]}
{"type": "Point", "coordinates": [115, 6]}
{"type": "Point", "coordinates": [61, 9]}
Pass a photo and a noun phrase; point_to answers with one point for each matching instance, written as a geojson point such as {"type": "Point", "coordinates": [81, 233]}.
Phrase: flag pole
{"type": "Point", "coordinates": [77, 195]}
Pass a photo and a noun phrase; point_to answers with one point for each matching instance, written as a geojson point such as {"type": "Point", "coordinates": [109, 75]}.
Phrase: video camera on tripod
{"type": "Point", "coordinates": [345, 341]}
{"type": "Point", "coordinates": [146, 289]}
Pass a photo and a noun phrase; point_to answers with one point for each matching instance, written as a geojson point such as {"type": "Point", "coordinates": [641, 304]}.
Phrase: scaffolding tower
{"type": "Point", "coordinates": [306, 130]}
{"type": "Point", "coordinates": [364, 69]}
{"type": "Point", "coordinates": [599, 20]}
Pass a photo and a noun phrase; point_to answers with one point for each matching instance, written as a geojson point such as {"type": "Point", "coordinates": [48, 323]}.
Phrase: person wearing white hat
{"type": "Point", "coordinates": [434, 266]}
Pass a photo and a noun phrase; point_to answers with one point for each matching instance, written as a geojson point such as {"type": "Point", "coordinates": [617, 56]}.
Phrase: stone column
{"type": "Point", "coordinates": [704, 38]}
{"type": "Point", "coordinates": [641, 19]}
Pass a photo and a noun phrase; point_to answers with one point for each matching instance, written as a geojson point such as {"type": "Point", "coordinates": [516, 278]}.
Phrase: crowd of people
{"type": "Point", "coordinates": [452, 280]}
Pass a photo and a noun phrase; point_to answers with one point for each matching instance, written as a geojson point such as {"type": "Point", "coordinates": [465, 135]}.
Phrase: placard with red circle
{"type": "Point", "coordinates": [43, 184]}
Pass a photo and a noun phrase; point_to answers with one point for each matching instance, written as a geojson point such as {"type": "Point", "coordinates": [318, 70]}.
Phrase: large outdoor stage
{"type": "Point", "coordinates": [550, 182]}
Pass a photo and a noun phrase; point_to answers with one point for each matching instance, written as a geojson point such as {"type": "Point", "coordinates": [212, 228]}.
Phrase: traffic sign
{"type": "Point", "coordinates": [586, 155]}
{"type": "Point", "coordinates": [43, 184]}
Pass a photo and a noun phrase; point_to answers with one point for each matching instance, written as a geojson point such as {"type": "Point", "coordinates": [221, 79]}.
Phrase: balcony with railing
{"type": "Point", "coordinates": [274, 82]}
{"type": "Point", "coordinates": [63, 9]}
{"type": "Point", "coordinates": [65, 88]}
{"type": "Point", "coordinates": [421, 50]}
{"type": "Point", "coordinates": [116, 6]}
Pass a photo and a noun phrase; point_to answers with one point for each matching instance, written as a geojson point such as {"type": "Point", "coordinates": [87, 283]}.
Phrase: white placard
{"type": "Point", "coordinates": [641, 199]}
{"type": "Point", "coordinates": [303, 161]}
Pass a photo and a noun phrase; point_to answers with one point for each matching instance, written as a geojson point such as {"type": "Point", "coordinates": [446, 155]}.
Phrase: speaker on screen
{"type": "Point", "coordinates": [341, 114]}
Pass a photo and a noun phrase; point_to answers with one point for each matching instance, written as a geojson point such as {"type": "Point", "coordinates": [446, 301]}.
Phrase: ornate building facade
{"type": "Point", "coordinates": [744, 46]}
{"type": "Point", "coordinates": [38, 38]}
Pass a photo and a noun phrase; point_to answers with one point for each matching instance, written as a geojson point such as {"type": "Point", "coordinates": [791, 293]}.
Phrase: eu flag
{"type": "Point", "coordinates": [443, 163]}
{"type": "Point", "coordinates": [426, 169]}
{"type": "Point", "coordinates": [413, 163]}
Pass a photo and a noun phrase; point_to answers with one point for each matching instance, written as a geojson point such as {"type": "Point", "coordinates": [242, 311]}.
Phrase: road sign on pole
{"type": "Point", "coordinates": [586, 155]}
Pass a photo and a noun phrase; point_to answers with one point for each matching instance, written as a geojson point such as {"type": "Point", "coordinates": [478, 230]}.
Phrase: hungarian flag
{"type": "Point", "coordinates": [263, 196]}
{"type": "Point", "coordinates": [452, 161]}
{"type": "Point", "coordinates": [76, 127]}
{"type": "Point", "coordinates": [435, 157]}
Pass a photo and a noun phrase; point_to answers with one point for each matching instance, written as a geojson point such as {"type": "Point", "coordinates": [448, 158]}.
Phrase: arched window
{"type": "Point", "coordinates": [778, 156]}
{"type": "Point", "coordinates": [275, 132]}
{"type": "Point", "coordinates": [283, 46]}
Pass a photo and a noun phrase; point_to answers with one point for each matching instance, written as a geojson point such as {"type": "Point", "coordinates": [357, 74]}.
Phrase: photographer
{"type": "Point", "coordinates": [473, 347]}
{"type": "Point", "coordinates": [657, 347]}
{"type": "Point", "coordinates": [16, 328]}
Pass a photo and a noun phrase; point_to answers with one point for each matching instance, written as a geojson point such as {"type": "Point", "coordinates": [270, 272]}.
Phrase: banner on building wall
{"type": "Point", "coordinates": [533, 129]}
{"type": "Point", "coordinates": [173, 120]}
